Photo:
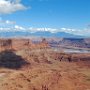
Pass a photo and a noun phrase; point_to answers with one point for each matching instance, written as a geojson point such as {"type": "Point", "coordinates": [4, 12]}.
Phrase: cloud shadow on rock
{"type": "Point", "coordinates": [9, 59]}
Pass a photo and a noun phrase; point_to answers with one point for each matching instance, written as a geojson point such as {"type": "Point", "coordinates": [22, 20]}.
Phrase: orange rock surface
{"type": "Point", "coordinates": [37, 67]}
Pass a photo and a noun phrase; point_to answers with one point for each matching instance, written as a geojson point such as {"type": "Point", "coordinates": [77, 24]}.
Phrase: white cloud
{"type": "Point", "coordinates": [10, 6]}
{"type": "Point", "coordinates": [19, 28]}
{"type": "Point", "coordinates": [52, 30]}
{"type": "Point", "coordinates": [14, 28]}
{"type": "Point", "coordinates": [10, 22]}
{"type": "Point", "coordinates": [84, 32]}
{"type": "Point", "coordinates": [5, 29]}
{"type": "Point", "coordinates": [7, 22]}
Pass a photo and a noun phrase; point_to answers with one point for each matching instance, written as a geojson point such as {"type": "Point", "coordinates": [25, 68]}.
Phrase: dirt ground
{"type": "Point", "coordinates": [44, 70]}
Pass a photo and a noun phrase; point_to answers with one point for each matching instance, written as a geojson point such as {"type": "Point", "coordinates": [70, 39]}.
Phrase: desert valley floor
{"type": "Point", "coordinates": [43, 68]}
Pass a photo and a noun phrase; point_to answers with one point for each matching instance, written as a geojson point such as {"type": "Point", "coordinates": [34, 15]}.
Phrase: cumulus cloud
{"type": "Point", "coordinates": [10, 6]}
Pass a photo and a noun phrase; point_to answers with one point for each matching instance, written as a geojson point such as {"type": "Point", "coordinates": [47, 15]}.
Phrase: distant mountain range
{"type": "Point", "coordinates": [39, 34]}
{"type": "Point", "coordinates": [70, 42]}
{"type": "Point", "coordinates": [54, 39]}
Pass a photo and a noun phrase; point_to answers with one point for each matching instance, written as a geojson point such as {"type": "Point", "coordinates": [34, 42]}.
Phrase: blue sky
{"type": "Point", "coordinates": [68, 15]}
